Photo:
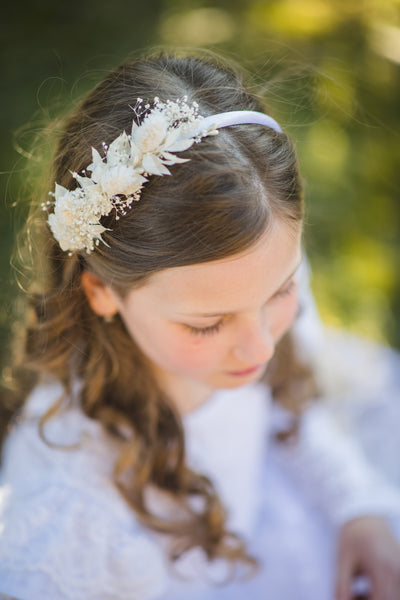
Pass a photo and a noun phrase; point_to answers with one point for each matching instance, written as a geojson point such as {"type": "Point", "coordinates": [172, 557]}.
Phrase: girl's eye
{"type": "Point", "coordinates": [210, 330]}
{"type": "Point", "coordinates": [287, 290]}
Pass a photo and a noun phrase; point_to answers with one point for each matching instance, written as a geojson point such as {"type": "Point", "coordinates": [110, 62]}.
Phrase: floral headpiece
{"type": "Point", "coordinates": [116, 180]}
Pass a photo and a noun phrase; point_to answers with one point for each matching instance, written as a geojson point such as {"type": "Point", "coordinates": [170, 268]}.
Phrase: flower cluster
{"type": "Point", "coordinates": [114, 181]}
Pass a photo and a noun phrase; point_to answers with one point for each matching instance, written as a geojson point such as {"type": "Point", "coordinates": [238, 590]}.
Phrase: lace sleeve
{"type": "Point", "coordinates": [332, 470]}
{"type": "Point", "coordinates": [65, 531]}
{"type": "Point", "coordinates": [62, 544]}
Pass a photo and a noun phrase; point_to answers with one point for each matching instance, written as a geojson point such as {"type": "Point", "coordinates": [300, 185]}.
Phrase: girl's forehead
{"type": "Point", "coordinates": [258, 271]}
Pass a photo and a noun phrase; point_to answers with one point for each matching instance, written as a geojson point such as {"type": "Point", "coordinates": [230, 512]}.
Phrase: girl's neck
{"type": "Point", "coordinates": [186, 394]}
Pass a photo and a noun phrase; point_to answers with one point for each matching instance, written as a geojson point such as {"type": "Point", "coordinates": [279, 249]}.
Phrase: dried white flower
{"type": "Point", "coordinates": [149, 136]}
{"type": "Point", "coordinates": [123, 177]}
{"type": "Point", "coordinates": [75, 220]}
{"type": "Point", "coordinates": [117, 179]}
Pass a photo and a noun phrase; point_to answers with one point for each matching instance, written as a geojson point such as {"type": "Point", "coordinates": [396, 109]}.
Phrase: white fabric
{"type": "Point", "coordinates": [67, 534]}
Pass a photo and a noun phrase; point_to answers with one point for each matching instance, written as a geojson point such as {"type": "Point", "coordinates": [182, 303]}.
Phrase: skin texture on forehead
{"type": "Point", "coordinates": [230, 285]}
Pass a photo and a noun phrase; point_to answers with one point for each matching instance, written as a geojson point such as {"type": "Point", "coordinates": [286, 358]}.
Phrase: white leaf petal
{"type": "Point", "coordinates": [172, 159]}
{"type": "Point", "coordinates": [84, 182]}
{"type": "Point", "coordinates": [119, 151]}
{"type": "Point", "coordinates": [151, 133]}
{"type": "Point", "coordinates": [181, 145]}
{"type": "Point", "coordinates": [96, 158]}
{"type": "Point", "coordinates": [173, 135]}
{"type": "Point", "coordinates": [60, 191]}
{"type": "Point", "coordinates": [135, 154]}
{"type": "Point", "coordinates": [152, 164]}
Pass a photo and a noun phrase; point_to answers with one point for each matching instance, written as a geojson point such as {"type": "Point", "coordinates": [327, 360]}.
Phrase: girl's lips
{"type": "Point", "coordinates": [245, 372]}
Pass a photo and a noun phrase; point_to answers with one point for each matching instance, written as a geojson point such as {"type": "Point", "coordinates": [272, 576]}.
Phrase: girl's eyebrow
{"type": "Point", "coordinates": [224, 314]}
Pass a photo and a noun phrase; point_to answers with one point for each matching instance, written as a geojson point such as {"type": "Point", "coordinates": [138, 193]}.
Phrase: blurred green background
{"type": "Point", "coordinates": [336, 88]}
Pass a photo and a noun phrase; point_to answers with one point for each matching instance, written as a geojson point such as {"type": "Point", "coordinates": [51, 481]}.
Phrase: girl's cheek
{"type": "Point", "coordinates": [196, 353]}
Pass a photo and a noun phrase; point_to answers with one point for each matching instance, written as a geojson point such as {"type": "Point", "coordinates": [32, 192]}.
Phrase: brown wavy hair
{"type": "Point", "coordinates": [217, 204]}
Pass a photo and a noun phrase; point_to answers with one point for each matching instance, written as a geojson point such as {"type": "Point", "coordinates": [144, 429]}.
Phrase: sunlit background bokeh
{"type": "Point", "coordinates": [330, 70]}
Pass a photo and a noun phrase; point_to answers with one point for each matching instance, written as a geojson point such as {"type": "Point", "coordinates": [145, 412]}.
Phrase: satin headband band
{"type": "Point", "coordinates": [237, 117]}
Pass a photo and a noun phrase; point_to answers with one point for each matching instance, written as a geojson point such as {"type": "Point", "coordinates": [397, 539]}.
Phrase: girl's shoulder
{"type": "Point", "coordinates": [67, 445]}
{"type": "Point", "coordinates": [66, 532]}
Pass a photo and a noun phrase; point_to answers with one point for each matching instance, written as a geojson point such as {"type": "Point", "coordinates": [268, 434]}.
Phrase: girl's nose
{"type": "Point", "coordinates": [256, 344]}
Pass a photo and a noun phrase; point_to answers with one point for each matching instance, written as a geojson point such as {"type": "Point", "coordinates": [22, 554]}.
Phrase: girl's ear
{"type": "Point", "coordinates": [100, 296]}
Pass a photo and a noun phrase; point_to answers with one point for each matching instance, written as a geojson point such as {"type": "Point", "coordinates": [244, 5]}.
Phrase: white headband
{"type": "Point", "coordinates": [115, 180]}
{"type": "Point", "coordinates": [238, 117]}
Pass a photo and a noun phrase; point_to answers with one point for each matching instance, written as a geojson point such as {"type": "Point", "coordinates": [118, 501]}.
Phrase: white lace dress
{"type": "Point", "coordinates": [67, 534]}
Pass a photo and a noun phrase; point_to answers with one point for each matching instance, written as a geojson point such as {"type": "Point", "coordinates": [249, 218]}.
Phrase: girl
{"type": "Point", "coordinates": [173, 307]}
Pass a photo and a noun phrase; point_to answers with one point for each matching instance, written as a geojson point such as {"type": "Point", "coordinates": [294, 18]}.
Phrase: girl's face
{"type": "Point", "coordinates": [215, 325]}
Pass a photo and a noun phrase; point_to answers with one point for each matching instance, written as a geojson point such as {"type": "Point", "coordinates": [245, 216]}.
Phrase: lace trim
{"type": "Point", "coordinates": [115, 559]}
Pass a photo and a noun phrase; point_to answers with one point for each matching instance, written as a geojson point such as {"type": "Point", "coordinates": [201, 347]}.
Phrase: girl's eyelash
{"type": "Point", "coordinates": [210, 330]}
{"type": "Point", "coordinates": [287, 290]}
